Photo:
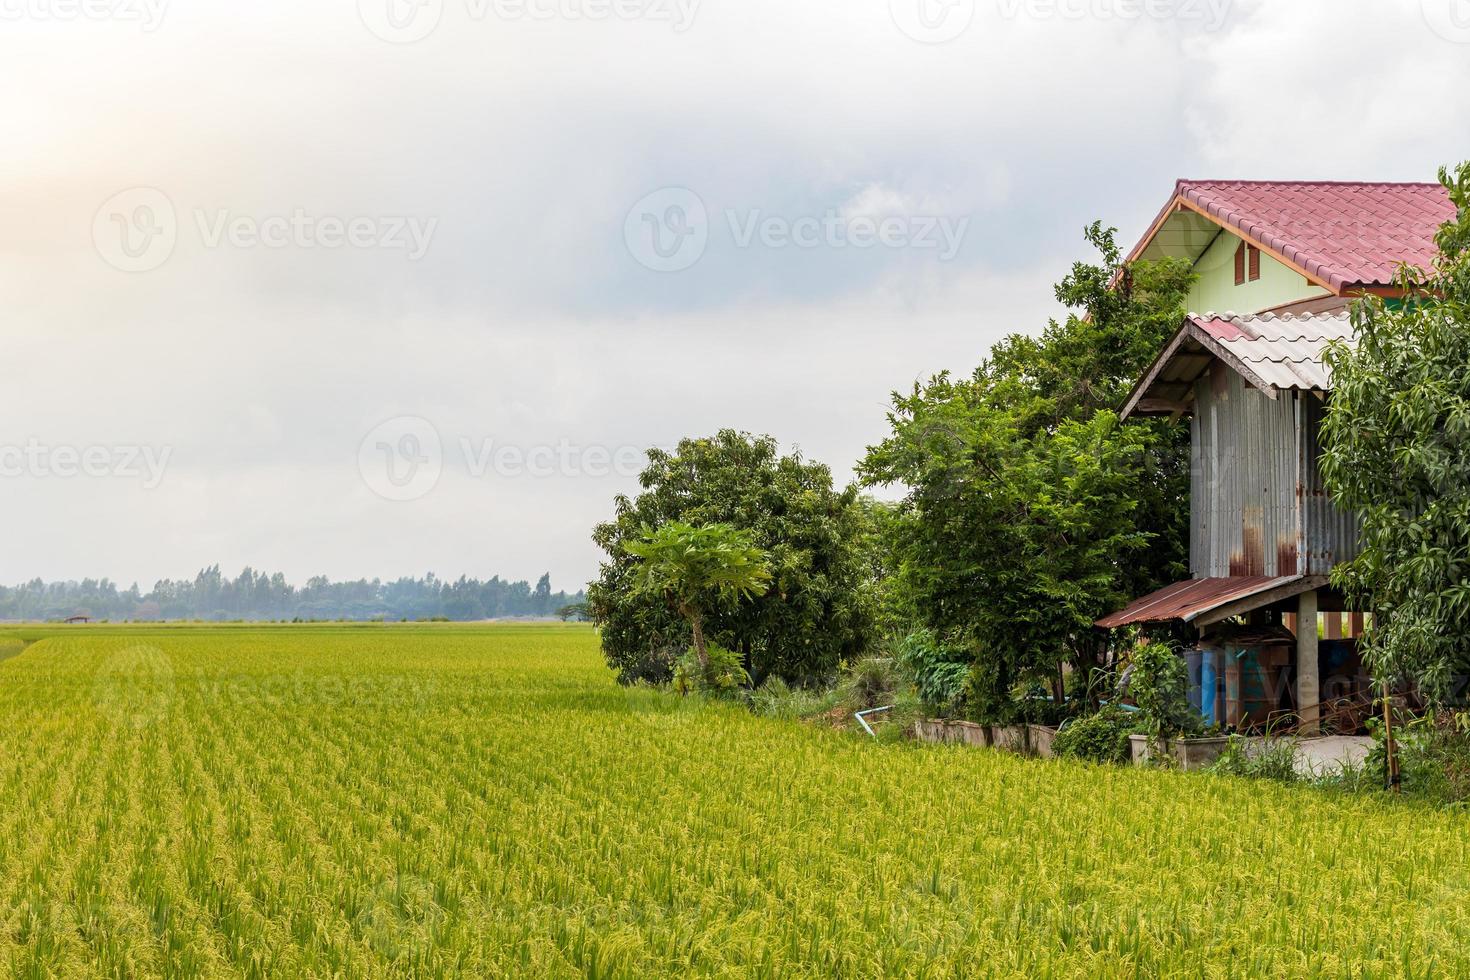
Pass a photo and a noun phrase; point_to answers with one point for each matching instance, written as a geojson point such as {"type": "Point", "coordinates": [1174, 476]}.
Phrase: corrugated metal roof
{"type": "Point", "coordinates": [1273, 352]}
{"type": "Point", "coordinates": [1284, 352]}
{"type": "Point", "coordinates": [1342, 234]}
{"type": "Point", "coordinates": [1187, 601]}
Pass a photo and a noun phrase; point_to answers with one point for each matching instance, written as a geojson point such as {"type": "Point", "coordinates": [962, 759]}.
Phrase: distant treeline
{"type": "Point", "coordinates": [255, 595]}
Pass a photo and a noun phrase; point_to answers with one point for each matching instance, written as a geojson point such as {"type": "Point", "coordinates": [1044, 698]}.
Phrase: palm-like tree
{"type": "Point", "coordinates": [697, 569]}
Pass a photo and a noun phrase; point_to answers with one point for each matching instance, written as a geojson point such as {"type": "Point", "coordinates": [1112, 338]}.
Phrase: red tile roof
{"type": "Point", "coordinates": [1340, 234]}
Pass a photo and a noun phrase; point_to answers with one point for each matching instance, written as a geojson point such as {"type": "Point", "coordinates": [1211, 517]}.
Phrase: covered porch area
{"type": "Point", "coordinates": [1274, 655]}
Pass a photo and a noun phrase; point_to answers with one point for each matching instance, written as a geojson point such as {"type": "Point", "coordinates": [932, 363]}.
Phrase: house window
{"type": "Point", "coordinates": [1247, 255]}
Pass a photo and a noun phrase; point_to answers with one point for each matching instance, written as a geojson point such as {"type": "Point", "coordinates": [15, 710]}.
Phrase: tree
{"type": "Point", "coordinates": [698, 570]}
{"type": "Point", "coordinates": [1397, 452]}
{"type": "Point", "coordinates": [819, 610]}
{"type": "Point", "coordinates": [1031, 511]}
{"type": "Point", "coordinates": [571, 611]}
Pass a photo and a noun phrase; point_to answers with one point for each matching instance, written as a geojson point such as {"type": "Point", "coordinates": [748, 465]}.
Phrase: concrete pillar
{"type": "Point", "coordinates": [1308, 684]}
{"type": "Point", "coordinates": [1234, 710]}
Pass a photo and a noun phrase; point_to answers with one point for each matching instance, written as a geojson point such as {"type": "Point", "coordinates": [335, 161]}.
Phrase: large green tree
{"type": "Point", "coordinates": [1030, 509]}
{"type": "Point", "coordinates": [819, 609]}
{"type": "Point", "coordinates": [1397, 451]}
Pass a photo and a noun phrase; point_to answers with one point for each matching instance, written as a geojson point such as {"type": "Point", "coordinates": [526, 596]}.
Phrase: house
{"type": "Point", "coordinates": [1291, 257]}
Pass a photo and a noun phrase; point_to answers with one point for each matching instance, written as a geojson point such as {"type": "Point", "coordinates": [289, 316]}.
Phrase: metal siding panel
{"type": "Point", "coordinates": [1243, 507]}
{"type": "Point", "coordinates": [1331, 533]}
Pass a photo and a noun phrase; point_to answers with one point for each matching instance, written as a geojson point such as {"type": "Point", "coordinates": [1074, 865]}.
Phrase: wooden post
{"type": "Point", "coordinates": [1391, 777]}
{"type": "Point", "coordinates": [1355, 625]}
{"type": "Point", "coordinates": [1289, 621]}
{"type": "Point", "coordinates": [1333, 626]}
{"type": "Point", "coordinates": [1308, 684]}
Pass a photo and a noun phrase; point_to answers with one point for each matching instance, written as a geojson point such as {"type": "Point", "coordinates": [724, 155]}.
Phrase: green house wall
{"type": "Point", "coordinates": [1216, 291]}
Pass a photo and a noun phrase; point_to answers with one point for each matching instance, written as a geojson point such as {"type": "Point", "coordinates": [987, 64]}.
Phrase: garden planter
{"type": "Point", "coordinates": [1041, 738]}
{"type": "Point", "coordinates": [1186, 753]}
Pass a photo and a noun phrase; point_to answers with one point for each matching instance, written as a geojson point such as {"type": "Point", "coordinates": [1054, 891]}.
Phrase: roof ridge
{"type": "Point", "coordinates": [1271, 315]}
{"type": "Point", "coordinates": [1311, 183]}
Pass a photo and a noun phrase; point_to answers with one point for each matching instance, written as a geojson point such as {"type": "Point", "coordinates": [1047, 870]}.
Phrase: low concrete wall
{"type": "Point", "coordinates": [1021, 739]}
{"type": "Point", "coordinates": [1186, 753]}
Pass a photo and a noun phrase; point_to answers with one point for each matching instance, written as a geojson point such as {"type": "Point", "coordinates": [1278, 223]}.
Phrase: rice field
{"type": "Point", "coordinates": [445, 800]}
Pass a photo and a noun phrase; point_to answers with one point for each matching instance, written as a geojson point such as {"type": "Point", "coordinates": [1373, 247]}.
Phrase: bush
{"type": "Point", "coordinates": [723, 676]}
{"type": "Point", "coordinates": [653, 664]}
{"type": "Point", "coordinates": [1159, 684]}
{"type": "Point", "coordinates": [938, 672]}
{"type": "Point", "coordinates": [777, 699]}
{"type": "Point", "coordinates": [1102, 737]}
{"type": "Point", "coordinates": [869, 683]}
{"type": "Point", "coordinates": [1433, 756]}
{"type": "Point", "coordinates": [1271, 758]}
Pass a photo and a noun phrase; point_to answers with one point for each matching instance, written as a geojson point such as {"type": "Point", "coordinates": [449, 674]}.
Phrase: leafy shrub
{"type": "Point", "coordinates": [1159, 685]}
{"type": "Point", "coordinates": [1433, 755]}
{"type": "Point", "coordinates": [1270, 758]}
{"type": "Point", "coordinates": [777, 699]}
{"type": "Point", "coordinates": [653, 664]}
{"type": "Point", "coordinates": [938, 672]}
{"type": "Point", "coordinates": [869, 683]}
{"type": "Point", "coordinates": [723, 676]}
{"type": "Point", "coordinates": [1102, 737]}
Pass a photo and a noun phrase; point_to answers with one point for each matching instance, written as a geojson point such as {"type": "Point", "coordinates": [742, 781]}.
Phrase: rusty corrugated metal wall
{"type": "Point", "coordinates": [1331, 534]}
{"type": "Point", "coordinates": [1256, 503]}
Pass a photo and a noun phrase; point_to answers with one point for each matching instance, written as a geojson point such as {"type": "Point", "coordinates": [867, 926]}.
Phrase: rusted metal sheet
{"type": "Point", "coordinates": [1187, 601]}
{"type": "Point", "coordinates": [1258, 505]}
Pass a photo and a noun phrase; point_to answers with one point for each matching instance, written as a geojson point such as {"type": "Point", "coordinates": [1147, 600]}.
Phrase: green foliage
{"type": "Point", "coordinates": [1031, 511]}
{"type": "Point", "coordinates": [872, 682]}
{"type": "Point", "coordinates": [1397, 451]}
{"type": "Point", "coordinates": [777, 699]}
{"type": "Point", "coordinates": [718, 674]}
{"type": "Point", "coordinates": [938, 671]}
{"type": "Point", "coordinates": [1272, 758]}
{"type": "Point", "coordinates": [1433, 755]}
{"type": "Point", "coordinates": [819, 542]}
{"type": "Point", "coordinates": [1100, 737]}
{"type": "Point", "coordinates": [698, 567]}
{"type": "Point", "coordinates": [1159, 685]}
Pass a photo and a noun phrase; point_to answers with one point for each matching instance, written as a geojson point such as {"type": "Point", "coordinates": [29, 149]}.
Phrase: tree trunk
{"type": "Point", "coordinates": [696, 625]}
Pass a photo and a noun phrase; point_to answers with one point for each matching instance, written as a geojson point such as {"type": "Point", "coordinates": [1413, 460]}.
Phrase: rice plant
{"type": "Point", "coordinates": [438, 800]}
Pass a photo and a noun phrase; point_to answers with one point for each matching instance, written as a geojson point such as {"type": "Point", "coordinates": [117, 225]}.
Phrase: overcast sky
{"type": "Point", "coordinates": [382, 287]}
